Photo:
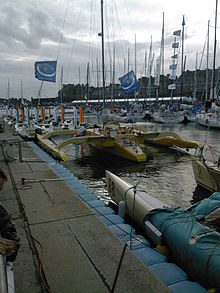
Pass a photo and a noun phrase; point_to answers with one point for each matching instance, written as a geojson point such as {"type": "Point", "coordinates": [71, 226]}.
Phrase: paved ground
{"type": "Point", "coordinates": [65, 247]}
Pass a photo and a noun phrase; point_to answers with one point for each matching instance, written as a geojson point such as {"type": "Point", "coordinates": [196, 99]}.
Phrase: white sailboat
{"type": "Point", "coordinates": [206, 172]}
{"type": "Point", "coordinates": [211, 117]}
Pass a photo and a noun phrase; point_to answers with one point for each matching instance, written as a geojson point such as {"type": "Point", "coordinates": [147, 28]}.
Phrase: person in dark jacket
{"type": "Point", "coordinates": [9, 241]}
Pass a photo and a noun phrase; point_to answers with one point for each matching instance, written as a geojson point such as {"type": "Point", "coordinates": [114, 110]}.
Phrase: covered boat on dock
{"type": "Point", "coordinates": [188, 234]}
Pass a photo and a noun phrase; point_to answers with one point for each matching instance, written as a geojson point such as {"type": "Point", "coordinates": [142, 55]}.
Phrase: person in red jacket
{"type": "Point", "coordinates": [9, 241]}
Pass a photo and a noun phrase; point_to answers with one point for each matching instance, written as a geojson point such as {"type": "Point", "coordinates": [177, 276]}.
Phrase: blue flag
{"type": "Point", "coordinates": [129, 82]}
{"type": "Point", "coordinates": [171, 108]}
{"type": "Point", "coordinates": [197, 108]}
{"type": "Point", "coordinates": [45, 70]}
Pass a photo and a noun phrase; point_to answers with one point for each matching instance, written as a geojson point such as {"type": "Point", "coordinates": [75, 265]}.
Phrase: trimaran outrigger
{"type": "Point", "coordinates": [114, 138]}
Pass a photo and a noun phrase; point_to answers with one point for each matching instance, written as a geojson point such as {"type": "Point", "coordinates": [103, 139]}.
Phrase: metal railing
{"type": "Point", "coordinates": [10, 148]}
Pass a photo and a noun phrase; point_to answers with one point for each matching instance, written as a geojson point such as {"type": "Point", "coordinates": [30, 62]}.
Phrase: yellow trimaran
{"type": "Point", "coordinates": [113, 138]}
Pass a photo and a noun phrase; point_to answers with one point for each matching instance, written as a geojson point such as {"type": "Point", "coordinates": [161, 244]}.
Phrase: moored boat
{"type": "Point", "coordinates": [211, 120]}
{"type": "Point", "coordinates": [206, 173]}
{"type": "Point", "coordinates": [193, 245]}
{"type": "Point", "coordinates": [111, 139]}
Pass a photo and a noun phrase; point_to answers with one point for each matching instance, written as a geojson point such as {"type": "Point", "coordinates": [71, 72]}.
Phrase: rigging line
{"type": "Point", "coordinates": [94, 40]}
{"type": "Point", "coordinates": [121, 38]}
{"type": "Point", "coordinates": [203, 51]}
{"type": "Point", "coordinates": [108, 44]}
{"type": "Point", "coordinates": [118, 269]}
{"type": "Point", "coordinates": [115, 43]}
{"type": "Point", "coordinates": [61, 34]}
{"type": "Point", "coordinates": [129, 17]}
{"type": "Point", "coordinates": [90, 31]}
{"type": "Point", "coordinates": [74, 39]}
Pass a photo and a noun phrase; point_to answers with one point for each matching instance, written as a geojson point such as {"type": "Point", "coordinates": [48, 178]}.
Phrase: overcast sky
{"type": "Point", "coordinates": [67, 30]}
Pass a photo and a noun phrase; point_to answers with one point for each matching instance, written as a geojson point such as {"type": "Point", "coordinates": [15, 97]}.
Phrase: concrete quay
{"type": "Point", "coordinates": [65, 246]}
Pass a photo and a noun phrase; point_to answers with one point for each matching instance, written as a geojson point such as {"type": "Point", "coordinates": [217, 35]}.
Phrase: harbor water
{"type": "Point", "coordinates": [167, 174]}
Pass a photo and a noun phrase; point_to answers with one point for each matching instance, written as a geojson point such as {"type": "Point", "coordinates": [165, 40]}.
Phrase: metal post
{"type": "Point", "coordinates": [3, 275]}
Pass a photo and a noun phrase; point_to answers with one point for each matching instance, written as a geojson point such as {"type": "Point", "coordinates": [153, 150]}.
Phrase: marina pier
{"type": "Point", "coordinates": [65, 246]}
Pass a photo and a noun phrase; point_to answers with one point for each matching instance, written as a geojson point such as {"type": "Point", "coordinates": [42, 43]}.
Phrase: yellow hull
{"type": "Point", "coordinates": [130, 152]}
{"type": "Point", "coordinates": [121, 145]}
{"type": "Point", "coordinates": [169, 139]}
{"type": "Point", "coordinates": [51, 148]}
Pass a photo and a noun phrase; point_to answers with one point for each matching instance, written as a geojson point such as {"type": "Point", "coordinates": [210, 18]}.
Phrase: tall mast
{"type": "Point", "coordinates": [113, 75]}
{"type": "Point", "coordinates": [195, 78]}
{"type": "Point", "coordinates": [145, 64]}
{"type": "Point", "coordinates": [162, 56]}
{"type": "Point", "coordinates": [128, 59]}
{"type": "Point", "coordinates": [207, 65]}
{"type": "Point", "coordinates": [213, 81]}
{"type": "Point", "coordinates": [79, 76]}
{"type": "Point", "coordinates": [61, 101]}
{"type": "Point", "coordinates": [88, 80]}
{"type": "Point", "coordinates": [80, 83]}
{"type": "Point", "coordinates": [135, 61]}
{"type": "Point", "coordinates": [8, 93]}
{"type": "Point", "coordinates": [181, 90]}
{"type": "Point", "coordinates": [103, 56]}
{"type": "Point", "coordinates": [97, 75]}
{"type": "Point", "coordinates": [135, 56]}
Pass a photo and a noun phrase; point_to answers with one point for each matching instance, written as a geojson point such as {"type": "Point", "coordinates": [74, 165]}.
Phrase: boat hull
{"type": "Point", "coordinates": [51, 148]}
{"type": "Point", "coordinates": [206, 175]}
{"type": "Point", "coordinates": [120, 190]}
{"type": "Point", "coordinates": [130, 152]}
{"type": "Point", "coordinates": [168, 139]}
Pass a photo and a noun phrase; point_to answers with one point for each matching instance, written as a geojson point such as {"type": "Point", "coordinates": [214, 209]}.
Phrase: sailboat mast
{"type": "Point", "coordinates": [162, 57]}
{"type": "Point", "coordinates": [113, 75]}
{"type": "Point", "coordinates": [181, 90]}
{"type": "Point", "coordinates": [213, 81]}
{"type": "Point", "coordinates": [8, 93]}
{"type": "Point", "coordinates": [128, 59]}
{"type": "Point", "coordinates": [97, 76]}
{"type": "Point", "coordinates": [207, 65]}
{"type": "Point", "coordinates": [103, 56]}
{"type": "Point", "coordinates": [88, 81]}
{"type": "Point", "coordinates": [61, 101]}
{"type": "Point", "coordinates": [195, 78]}
{"type": "Point", "coordinates": [145, 64]}
{"type": "Point", "coordinates": [135, 55]}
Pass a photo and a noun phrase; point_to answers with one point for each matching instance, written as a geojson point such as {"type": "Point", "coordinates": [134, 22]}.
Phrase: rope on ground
{"type": "Point", "coordinates": [27, 229]}
{"type": "Point", "coordinates": [119, 266]}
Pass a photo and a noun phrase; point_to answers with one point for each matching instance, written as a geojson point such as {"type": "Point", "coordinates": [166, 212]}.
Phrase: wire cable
{"type": "Point", "coordinates": [119, 266]}
{"type": "Point", "coordinates": [61, 33]}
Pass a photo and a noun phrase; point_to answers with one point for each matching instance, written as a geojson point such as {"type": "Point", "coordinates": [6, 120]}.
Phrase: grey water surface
{"type": "Point", "coordinates": [166, 175]}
